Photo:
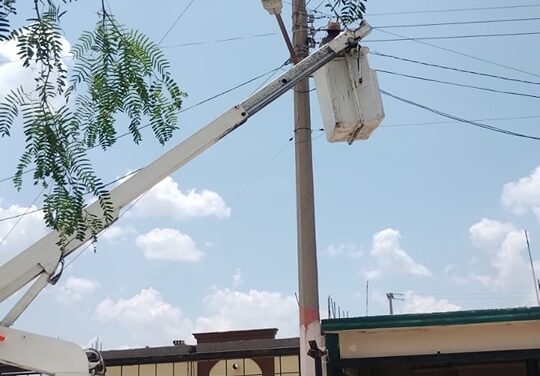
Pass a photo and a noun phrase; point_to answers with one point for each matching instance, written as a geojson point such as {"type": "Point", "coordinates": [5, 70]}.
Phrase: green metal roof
{"type": "Point", "coordinates": [432, 319]}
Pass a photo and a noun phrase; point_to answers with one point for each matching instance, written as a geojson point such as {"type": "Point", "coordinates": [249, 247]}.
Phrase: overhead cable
{"type": "Point", "coordinates": [175, 22]}
{"type": "Point", "coordinates": [458, 84]}
{"type": "Point", "coordinates": [457, 23]}
{"type": "Point", "coordinates": [459, 119]}
{"type": "Point", "coordinates": [455, 10]}
{"type": "Point", "coordinates": [183, 110]}
{"type": "Point", "coordinates": [459, 53]}
{"type": "Point", "coordinates": [231, 39]}
{"type": "Point", "coordinates": [454, 69]}
{"type": "Point", "coordinates": [427, 123]}
{"type": "Point", "coordinates": [454, 37]}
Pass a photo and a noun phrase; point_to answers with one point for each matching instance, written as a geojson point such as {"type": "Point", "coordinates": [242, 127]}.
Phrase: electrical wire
{"type": "Point", "coordinates": [183, 110]}
{"type": "Point", "coordinates": [176, 21]}
{"type": "Point", "coordinates": [457, 84]}
{"type": "Point", "coordinates": [263, 35]}
{"type": "Point", "coordinates": [28, 212]}
{"type": "Point", "coordinates": [453, 68]}
{"type": "Point", "coordinates": [457, 23]}
{"type": "Point", "coordinates": [19, 215]}
{"type": "Point", "coordinates": [145, 126]}
{"type": "Point", "coordinates": [270, 77]}
{"type": "Point", "coordinates": [459, 53]}
{"type": "Point", "coordinates": [425, 123]}
{"type": "Point", "coordinates": [455, 10]}
{"type": "Point", "coordinates": [453, 37]}
{"type": "Point", "coordinates": [19, 219]}
{"type": "Point", "coordinates": [172, 263]}
{"type": "Point", "coordinates": [223, 40]}
{"type": "Point", "coordinates": [318, 6]}
{"type": "Point", "coordinates": [459, 119]}
{"type": "Point", "coordinates": [367, 15]}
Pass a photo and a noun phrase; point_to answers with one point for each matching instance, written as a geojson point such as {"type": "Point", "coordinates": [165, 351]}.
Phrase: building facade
{"type": "Point", "coordinates": [503, 342]}
{"type": "Point", "coordinates": [233, 353]}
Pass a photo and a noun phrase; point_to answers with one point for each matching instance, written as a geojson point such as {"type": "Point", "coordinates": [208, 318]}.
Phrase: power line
{"type": "Point", "coordinates": [459, 53]}
{"type": "Point", "coordinates": [19, 219]}
{"type": "Point", "coordinates": [28, 212]}
{"type": "Point", "coordinates": [223, 40]}
{"type": "Point", "coordinates": [19, 215]}
{"type": "Point", "coordinates": [457, 23]}
{"type": "Point", "coordinates": [453, 68]}
{"type": "Point", "coordinates": [127, 133]}
{"type": "Point", "coordinates": [454, 37]}
{"type": "Point", "coordinates": [168, 267]}
{"type": "Point", "coordinates": [318, 6]}
{"type": "Point", "coordinates": [459, 119]}
{"type": "Point", "coordinates": [263, 35]}
{"type": "Point", "coordinates": [455, 10]}
{"type": "Point", "coordinates": [424, 123]}
{"type": "Point", "coordinates": [232, 89]}
{"type": "Point", "coordinates": [175, 22]}
{"type": "Point", "coordinates": [183, 110]}
{"type": "Point", "coordinates": [315, 10]}
{"type": "Point", "coordinates": [458, 84]}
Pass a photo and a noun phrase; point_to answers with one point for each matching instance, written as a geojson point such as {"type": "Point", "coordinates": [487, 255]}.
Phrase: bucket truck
{"type": "Point", "coordinates": [41, 263]}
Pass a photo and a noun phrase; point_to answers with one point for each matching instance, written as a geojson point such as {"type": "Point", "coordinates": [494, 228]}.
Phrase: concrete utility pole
{"type": "Point", "coordinates": [308, 285]}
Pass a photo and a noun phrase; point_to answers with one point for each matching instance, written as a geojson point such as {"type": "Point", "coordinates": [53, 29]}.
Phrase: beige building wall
{"type": "Point", "coordinates": [283, 366]}
{"type": "Point", "coordinates": [514, 335]}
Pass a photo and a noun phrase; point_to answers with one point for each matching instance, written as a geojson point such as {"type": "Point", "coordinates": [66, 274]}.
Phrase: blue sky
{"type": "Point", "coordinates": [426, 207]}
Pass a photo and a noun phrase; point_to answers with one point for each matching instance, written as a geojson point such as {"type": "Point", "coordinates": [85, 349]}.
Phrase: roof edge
{"type": "Point", "coordinates": [432, 319]}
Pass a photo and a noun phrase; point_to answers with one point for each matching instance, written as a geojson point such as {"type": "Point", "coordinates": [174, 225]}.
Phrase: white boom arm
{"type": "Point", "coordinates": [41, 260]}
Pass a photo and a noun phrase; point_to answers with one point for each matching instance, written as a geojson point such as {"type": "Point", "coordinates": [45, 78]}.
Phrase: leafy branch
{"type": "Point", "coordinates": [348, 11]}
{"type": "Point", "coordinates": [115, 72]}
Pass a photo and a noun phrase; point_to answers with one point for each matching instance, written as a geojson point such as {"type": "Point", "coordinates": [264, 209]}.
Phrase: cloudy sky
{"type": "Point", "coordinates": [429, 208]}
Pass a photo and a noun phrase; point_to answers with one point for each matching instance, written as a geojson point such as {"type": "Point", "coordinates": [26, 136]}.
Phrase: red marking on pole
{"type": "Point", "coordinates": [2, 338]}
{"type": "Point", "coordinates": [308, 315]}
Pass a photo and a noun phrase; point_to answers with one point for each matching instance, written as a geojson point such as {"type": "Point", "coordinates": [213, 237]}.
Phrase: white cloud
{"type": "Point", "coordinates": [18, 233]}
{"type": "Point", "coordinates": [237, 278]}
{"type": "Point", "coordinates": [488, 233]}
{"type": "Point", "coordinates": [13, 74]}
{"type": "Point", "coordinates": [167, 200]}
{"type": "Point", "coordinates": [117, 233]}
{"type": "Point", "coordinates": [168, 244]}
{"type": "Point", "coordinates": [391, 258]}
{"type": "Point", "coordinates": [349, 250]}
{"type": "Point", "coordinates": [508, 267]}
{"type": "Point", "coordinates": [75, 289]}
{"type": "Point", "coordinates": [510, 262]}
{"type": "Point", "coordinates": [233, 310]}
{"type": "Point", "coordinates": [425, 304]}
{"type": "Point", "coordinates": [523, 195]}
{"type": "Point", "coordinates": [146, 318]}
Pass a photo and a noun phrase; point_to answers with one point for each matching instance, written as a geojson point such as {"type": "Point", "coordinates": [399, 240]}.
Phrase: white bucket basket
{"type": "Point", "coordinates": [349, 97]}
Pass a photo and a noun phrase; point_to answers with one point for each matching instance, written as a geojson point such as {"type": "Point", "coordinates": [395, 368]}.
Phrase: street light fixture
{"type": "Point", "coordinates": [272, 6]}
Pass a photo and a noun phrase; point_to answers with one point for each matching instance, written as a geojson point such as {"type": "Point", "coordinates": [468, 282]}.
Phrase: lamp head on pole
{"type": "Point", "coordinates": [272, 6]}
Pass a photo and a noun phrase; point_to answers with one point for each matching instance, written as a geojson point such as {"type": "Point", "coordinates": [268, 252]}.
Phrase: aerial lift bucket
{"type": "Point", "coordinates": [349, 97]}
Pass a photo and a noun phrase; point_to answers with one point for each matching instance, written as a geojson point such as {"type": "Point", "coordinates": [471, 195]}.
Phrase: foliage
{"type": "Point", "coordinates": [348, 11]}
{"type": "Point", "coordinates": [115, 71]}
